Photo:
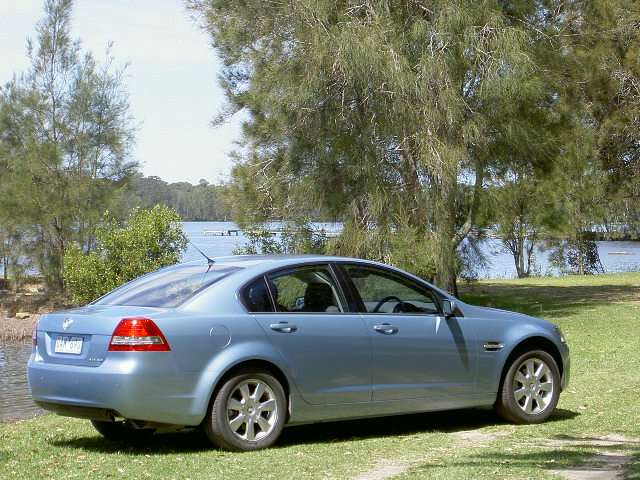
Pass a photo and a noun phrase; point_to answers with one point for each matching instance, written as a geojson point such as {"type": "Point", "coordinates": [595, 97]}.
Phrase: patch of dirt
{"type": "Point", "coordinates": [611, 440]}
{"type": "Point", "coordinates": [13, 329]}
{"type": "Point", "coordinates": [385, 469]}
{"type": "Point", "coordinates": [476, 438]}
{"type": "Point", "coordinates": [606, 464]}
{"type": "Point", "coordinates": [602, 466]}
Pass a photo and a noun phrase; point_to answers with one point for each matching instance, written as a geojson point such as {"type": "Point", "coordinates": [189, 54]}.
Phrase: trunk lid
{"type": "Point", "coordinates": [81, 336]}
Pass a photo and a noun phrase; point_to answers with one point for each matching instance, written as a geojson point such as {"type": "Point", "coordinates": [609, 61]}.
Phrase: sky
{"type": "Point", "coordinates": [171, 78]}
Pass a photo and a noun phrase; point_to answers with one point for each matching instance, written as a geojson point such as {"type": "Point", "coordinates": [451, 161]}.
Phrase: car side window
{"type": "Point", "coordinates": [382, 291]}
{"type": "Point", "coordinates": [304, 289]}
{"type": "Point", "coordinates": [256, 297]}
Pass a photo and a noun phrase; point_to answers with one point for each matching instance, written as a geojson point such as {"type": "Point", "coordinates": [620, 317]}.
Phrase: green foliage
{"type": "Point", "coordinates": [148, 240]}
{"type": "Point", "coordinates": [65, 137]}
{"type": "Point", "coordinates": [576, 257]}
{"type": "Point", "coordinates": [406, 247]}
{"type": "Point", "coordinates": [402, 115]}
{"type": "Point", "coordinates": [12, 256]}
{"type": "Point", "coordinates": [297, 238]}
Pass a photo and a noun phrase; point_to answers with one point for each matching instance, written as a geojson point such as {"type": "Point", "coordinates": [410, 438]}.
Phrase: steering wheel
{"type": "Point", "coordinates": [385, 300]}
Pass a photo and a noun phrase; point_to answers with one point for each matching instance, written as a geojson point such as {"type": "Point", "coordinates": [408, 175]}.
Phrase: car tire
{"type": "Point", "coordinates": [120, 431]}
{"type": "Point", "coordinates": [530, 388]}
{"type": "Point", "coordinates": [247, 412]}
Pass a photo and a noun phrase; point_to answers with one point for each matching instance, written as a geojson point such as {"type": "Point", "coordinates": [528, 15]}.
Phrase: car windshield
{"type": "Point", "coordinates": [166, 288]}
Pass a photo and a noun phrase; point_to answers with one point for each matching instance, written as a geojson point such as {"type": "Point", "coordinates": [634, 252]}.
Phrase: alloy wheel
{"type": "Point", "coordinates": [252, 410]}
{"type": "Point", "coordinates": [533, 386]}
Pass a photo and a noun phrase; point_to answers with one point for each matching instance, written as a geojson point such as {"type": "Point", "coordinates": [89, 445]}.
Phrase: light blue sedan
{"type": "Point", "coordinates": [242, 346]}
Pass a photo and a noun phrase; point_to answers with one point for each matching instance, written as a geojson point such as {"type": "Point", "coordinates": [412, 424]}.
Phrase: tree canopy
{"type": "Point", "coordinates": [390, 114]}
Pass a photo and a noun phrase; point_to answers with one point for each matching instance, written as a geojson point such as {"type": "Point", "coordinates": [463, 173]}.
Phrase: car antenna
{"type": "Point", "coordinates": [210, 260]}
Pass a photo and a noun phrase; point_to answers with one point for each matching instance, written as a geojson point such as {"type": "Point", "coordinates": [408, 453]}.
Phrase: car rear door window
{"type": "Point", "coordinates": [256, 297]}
{"type": "Point", "coordinates": [307, 289]}
{"type": "Point", "coordinates": [383, 291]}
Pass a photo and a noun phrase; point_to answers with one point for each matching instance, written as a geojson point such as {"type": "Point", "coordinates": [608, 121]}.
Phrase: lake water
{"type": "Point", "coordinates": [500, 263]}
{"type": "Point", "coordinates": [15, 401]}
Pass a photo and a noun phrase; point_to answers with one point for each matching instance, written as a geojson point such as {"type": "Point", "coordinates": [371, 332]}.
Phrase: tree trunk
{"type": "Point", "coordinates": [446, 238]}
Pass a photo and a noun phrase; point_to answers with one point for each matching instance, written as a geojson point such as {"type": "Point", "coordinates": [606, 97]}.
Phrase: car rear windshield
{"type": "Point", "coordinates": [166, 288]}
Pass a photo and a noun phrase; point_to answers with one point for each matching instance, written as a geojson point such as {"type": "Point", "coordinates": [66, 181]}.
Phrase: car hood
{"type": "Point", "coordinates": [489, 312]}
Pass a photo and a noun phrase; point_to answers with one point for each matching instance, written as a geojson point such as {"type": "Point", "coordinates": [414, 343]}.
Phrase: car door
{"type": "Point", "coordinates": [327, 349]}
{"type": "Point", "coordinates": [417, 352]}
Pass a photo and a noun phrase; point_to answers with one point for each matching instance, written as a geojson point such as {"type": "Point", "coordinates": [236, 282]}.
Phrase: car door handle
{"type": "Point", "coordinates": [283, 327]}
{"type": "Point", "coordinates": [386, 329]}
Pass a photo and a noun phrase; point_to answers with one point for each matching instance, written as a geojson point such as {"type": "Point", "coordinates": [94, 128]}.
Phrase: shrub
{"type": "Point", "coordinates": [148, 240]}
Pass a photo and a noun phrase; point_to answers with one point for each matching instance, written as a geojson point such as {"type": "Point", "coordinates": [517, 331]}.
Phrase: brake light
{"type": "Point", "coordinates": [138, 334]}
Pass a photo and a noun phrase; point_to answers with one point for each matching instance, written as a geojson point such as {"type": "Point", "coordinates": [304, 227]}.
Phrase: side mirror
{"type": "Point", "coordinates": [448, 307]}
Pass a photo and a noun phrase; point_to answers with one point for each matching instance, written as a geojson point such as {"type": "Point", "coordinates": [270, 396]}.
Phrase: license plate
{"type": "Point", "coordinates": [66, 344]}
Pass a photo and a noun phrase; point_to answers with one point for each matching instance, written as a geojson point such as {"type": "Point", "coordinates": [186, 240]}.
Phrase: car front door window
{"type": "Point", "coordinates": [385, 292]}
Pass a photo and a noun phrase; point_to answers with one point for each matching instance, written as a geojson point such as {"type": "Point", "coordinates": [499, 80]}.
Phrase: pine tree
{"type": "Point", "coordinates": [66, 134]}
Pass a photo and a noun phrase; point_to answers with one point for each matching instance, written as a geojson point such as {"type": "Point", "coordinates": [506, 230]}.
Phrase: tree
{"type": "Point", "coordinates": [518, 227]}
{"type": "Point", "coordinates": [612, 90]}
{"type": "Point", "coordinates": [192, 202]}
{"type": "Point", "coordinates": [388, 114]}
{"type": "Point", "coordinates": [147, 241]}
{"type": "Point", "coordinates": [67, 134]}
{"type": "Point", "coordinates": [595, 175]}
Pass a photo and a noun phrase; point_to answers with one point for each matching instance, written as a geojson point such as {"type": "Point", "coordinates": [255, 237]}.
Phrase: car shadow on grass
{"type": "Point", "coordinates": [433, 422]}
{"type": "Point", "coordinates": [329, 432]}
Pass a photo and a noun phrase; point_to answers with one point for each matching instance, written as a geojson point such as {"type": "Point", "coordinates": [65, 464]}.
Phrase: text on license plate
{"type": "Point", "coordinates": [67, 344]}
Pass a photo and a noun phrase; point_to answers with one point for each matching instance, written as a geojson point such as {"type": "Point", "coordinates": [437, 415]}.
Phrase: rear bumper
{"type": "Point", "coordinates": [79, 412]}
{"type": "Point", "coordinates": [144, 387]}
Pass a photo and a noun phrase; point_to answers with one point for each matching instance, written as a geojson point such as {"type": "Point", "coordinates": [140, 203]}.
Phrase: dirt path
{"type": "Point", "coordinates": [387, 468]}
{"type": "Point", "coordinates": [608, 461]}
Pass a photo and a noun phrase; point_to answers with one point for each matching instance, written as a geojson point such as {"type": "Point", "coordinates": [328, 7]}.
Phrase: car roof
{"type": "Point", "coordinates": [248, 261]}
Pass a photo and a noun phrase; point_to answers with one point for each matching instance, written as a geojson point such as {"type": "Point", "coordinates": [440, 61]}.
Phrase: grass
{"type": "Point", "coordinates": [601, 318]}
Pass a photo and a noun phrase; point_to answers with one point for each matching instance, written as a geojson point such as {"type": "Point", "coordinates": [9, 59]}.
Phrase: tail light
{"type": "Point", "coordinates": [138, 334]}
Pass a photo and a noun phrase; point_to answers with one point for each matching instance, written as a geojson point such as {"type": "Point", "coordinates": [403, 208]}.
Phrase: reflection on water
{"type": "Point", "coordinates": [15, 400]}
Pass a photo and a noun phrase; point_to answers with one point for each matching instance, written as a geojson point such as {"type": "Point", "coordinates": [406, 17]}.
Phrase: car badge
{"type": "Point", "coordinates": [67, 323]}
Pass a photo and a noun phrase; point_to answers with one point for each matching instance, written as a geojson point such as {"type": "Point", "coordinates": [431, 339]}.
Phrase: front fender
{"type": "Point", "coordinates": [513, 335]}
